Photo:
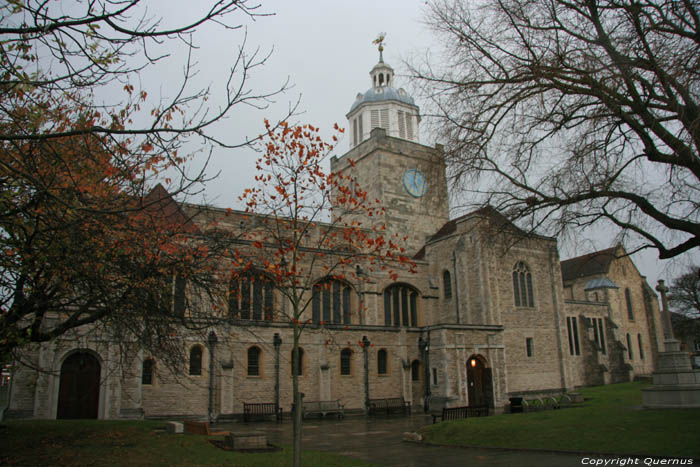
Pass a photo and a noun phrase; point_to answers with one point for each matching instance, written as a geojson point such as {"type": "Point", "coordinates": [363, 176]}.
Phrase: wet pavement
{"type": "Point", "coordinates": [380, 441]}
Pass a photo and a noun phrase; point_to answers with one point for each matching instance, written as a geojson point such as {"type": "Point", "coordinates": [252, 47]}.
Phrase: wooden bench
{"type": "Point", "coordinates": [389, 406]}
{"type": "Point", "coordinates": [323, 408]}
{"type": "Point", "coordinates": [456, 413]}
{"type": "Point", "coordinates": [202, 428]}
{"type": "Point", "coordinates": [260, 411]}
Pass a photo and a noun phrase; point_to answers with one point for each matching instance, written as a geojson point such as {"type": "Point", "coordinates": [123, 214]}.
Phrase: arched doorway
{"type": "Point", "coordinates": [480, 383]}
{"type": "Point", "coordinates": [79, 389]}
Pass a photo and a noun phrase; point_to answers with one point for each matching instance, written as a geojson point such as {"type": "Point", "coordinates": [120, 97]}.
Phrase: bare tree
{"type": "Point", "coordinates": [574, 113]}
{"type": "Point", "coordinates": [85, 239]}
{"type": "Point", "coordinates": [685, 293]}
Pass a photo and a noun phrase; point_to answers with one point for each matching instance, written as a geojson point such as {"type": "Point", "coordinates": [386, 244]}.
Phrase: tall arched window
{"type": "Point", "coordinates": [299, 369]}
{"type": "Point", "coordinates": [251, 297]}
{"type": "Point", "coordinates": [346, 362]}
{"type": "Point", "coordinates": [447, 284]}
{"type": "Point", "coordinates": [331, 302]}
{"type": "Point", "coordinates": [400, 306]}
{"type": "Point", "coordinates": [196, 361]}
{"type": "Point", "coordinates": [415, 370]}
{"type": "Point", "coordinates": [382, 362]}
{"type": "Point", "coordinates": [522, 285]}
{"type": "Point", "coordinates": [253, 361]}
{"type": "Point", "coordinates": [628, 300]}
{"type": "Point", "coordinates": [147, 371]}
{"type": "Point", "coordinates": [629, 347]}
{"type": "Point", "coordinates": [641, 349]}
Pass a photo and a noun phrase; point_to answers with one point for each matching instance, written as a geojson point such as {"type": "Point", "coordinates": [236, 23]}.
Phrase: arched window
{"type": "Point", "coordinates": [447, 284]}
{"type": "Point", "coordinates": [331, 302]}
{"type": "Point", "coordinates": [251, 297]}
{"type": "Point", "coordinates": [346, 362]}
{"type": "Point", "coordinates": [628, 299]}
{"type": "Point", "coordinates": [415, 370]}
{"type": "Point", "coordinates": [196, 361]}
{"type": "Point", "coordinates": [299, 369]}
{"type": "Point", "coordinates": [400, 306]}
{"type": "Point", "coordinates": [253, 361]}
{"type": "Point", "coordinates": [629, 347]}
{"type": "Point", "coordinates": [147, 371]}
{"type": "Point", "coordinates": [641, 349]}
{"type": "Point", "coordinates": [382, 362]}
{"type": "Point", "coordinates": [522, 285]}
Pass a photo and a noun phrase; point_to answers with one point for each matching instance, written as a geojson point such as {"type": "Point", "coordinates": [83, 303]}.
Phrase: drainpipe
{"type": "Point", "coordinates": [277, 341]}
{"type": "Point", "coordinates": [212, 340]}
{"type": "Point", "coordinates": [454, 268]}
{"type": "Point", "coordinates": [424, 347]}
{"type": "Point", "coordinates": [360, 273]}
{"type": "Point", "coordinates": [365, 350]}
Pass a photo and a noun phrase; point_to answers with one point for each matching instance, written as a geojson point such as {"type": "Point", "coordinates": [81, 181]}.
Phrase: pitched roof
{"type": "Point", "coordinates": [597, 262]}
{"type": "Point", "coordinates": [499, 220]}
{"type": "Point", "coordinates": [158, 202]}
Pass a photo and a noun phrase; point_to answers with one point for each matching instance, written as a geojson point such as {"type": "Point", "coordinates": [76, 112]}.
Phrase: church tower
{"type": "Point", "coordinates": [390, 163]}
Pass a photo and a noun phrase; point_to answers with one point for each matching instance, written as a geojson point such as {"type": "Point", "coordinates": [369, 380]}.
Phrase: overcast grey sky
{"type": "Point", "coordinates": [324, 48]}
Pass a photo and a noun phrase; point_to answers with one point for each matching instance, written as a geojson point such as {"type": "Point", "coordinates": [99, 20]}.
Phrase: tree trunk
{"type": "Point", "coordinates": [297, 396]}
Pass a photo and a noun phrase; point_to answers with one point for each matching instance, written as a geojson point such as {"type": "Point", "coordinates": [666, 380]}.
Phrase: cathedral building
{"type": "Point", "coordinates": [491, 314]}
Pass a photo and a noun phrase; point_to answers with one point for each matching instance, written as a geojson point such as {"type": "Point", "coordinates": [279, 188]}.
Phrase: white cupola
{"type": "Point", "coordinates": [383, 106]}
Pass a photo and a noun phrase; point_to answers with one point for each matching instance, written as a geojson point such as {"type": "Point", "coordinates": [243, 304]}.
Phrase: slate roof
{"type": "Point", "coordinates": [158, 202]}
{"type": "Point", "coordinates": [587, 265]}
{"type": "Point", "coordinates": [600, 283]}
{"type": "Point", "coordinates": [499, 219]}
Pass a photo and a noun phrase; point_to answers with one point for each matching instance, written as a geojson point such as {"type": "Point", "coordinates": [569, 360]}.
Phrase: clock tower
{"type": "Point", "coordinates": [390, 163]}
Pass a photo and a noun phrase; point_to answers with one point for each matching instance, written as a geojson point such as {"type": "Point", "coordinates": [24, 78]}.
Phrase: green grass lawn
{"type": "Point", "coordinates": [610, 421]}
{"type": "Point", "coordinates": [109, 443]}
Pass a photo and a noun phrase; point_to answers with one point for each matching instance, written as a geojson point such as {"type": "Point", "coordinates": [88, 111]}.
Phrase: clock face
{"type": "Point", "coordinates": [415, 183]}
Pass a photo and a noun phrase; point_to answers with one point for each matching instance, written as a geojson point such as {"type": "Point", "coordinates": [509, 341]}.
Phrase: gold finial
{"type": "Point", "coordinates": [380, 42]}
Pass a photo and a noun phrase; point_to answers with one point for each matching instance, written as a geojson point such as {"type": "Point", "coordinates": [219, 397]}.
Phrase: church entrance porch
{"type": "Point", "coordinates": [479, 381]}
{"type": "Point", "coordinates": [79, 389]}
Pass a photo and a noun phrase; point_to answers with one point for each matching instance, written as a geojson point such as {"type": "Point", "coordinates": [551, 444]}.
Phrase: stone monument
{"type": "Point", "coordinates": [675, 383]}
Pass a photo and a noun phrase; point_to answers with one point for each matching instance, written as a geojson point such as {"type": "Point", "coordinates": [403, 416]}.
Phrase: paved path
{"type": "Point", "coordinates": [379, 440]}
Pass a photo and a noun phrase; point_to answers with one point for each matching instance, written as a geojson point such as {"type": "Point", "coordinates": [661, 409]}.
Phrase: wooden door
{"type": "Point", "coordinates": [79, 390]}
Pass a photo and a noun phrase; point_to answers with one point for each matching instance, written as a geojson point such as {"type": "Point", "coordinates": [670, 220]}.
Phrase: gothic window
{"type": "Point", "coordinates": [299, 370]}
{"type": "Point", "coordinates": [147, 371]}
{"type": "Point", "coordinates": [179, 295]}
{"type": "Point", "coordinates": [253, 361]}
{"type": "Point", "coordinates": [522, 285]}
{"type": "Point", "coordinates": [251, 297]}
{"type": "Point", "coordinates": [415, 370]}
{"type": "Point", "coordinates": [196, 361]}
{"type": "Point", "coordinates": [447, 284]}
{"type": "Point", "coordinates": [382, 362]}
{"type": "Point", "coordinates": [628, 300]}
{"type": "Point", "coordinates": [641, 349]}
{"type": "Point", "coordinates": [346, 362]}
{"type": "Point", "coordinates": [629, 347]}
{"type": "Point", "coordinates": [601, 333]}
{"type": "Point", "coordinates": [331, 302]}
{"type": "Point", "coordinates": [572, 328]}
{"type": "Point", "coordinates": [400, 306]}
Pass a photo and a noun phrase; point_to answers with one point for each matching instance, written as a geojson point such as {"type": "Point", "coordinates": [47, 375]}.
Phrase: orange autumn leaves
{"type": "Point", "coordinates": [314, 222]}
